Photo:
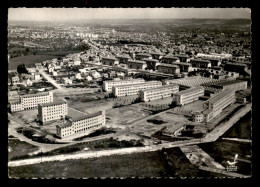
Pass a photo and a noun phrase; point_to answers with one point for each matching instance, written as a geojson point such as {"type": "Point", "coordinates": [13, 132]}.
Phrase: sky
{"type": "Point", "coordinates": [62, 14]}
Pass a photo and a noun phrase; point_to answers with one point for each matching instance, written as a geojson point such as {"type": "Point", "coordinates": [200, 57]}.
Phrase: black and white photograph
{"type": "Point", "coordinates": [129, 93]}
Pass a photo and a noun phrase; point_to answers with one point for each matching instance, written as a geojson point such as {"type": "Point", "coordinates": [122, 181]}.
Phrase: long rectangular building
{"type": "Point", "coordinates": [133, 89]}
{"type": "Point", "coordinates": [217, 103]}
{"type": "Point", "coordinates": [168, 68]}
{"type": "Point", "coordinates": [30, 101]}
{"type": "Point", "coordinates": [110, 61]}
{"type": "Point", "coordinates": [199, 63]}
{"type": "Point", "coordinates": [136, 64]}
{"type": "Point", "coordinates": [52, 111]}
{"type": "Point", "coordinates": [107, 85]}
{"type": "Point", "coordinates": [158, 92]}
{"type": "Point", "coordinates": [189, 95]}
{"type": "Point", "coordinates": [81, 125]}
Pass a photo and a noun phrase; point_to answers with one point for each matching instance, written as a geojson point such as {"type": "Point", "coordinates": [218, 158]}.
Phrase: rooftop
{"type": "Point", "coordinates": [220, 95]}
{"type": "Point", "coordinates": [175, 127]}
{"type": "Point", "coordinates": [124, 80]}
{"type": "Point", "coordinates": [53, 103]}
{"type": "Point", "coordinates": [144, 83]}
{"type": "Point", "coordinates": [151, 60]}
{"type": "Point", "coordinates": [236, 64]}
{"type": "Point", "coordinates": [137, 61]}
{"type": "Point", "coordinates": [161, 87]}
{"type": "Point", "coordinates": [199, 60]}
{"type": "Point", "coordinates": [33, 95]}
{"type": "Point", "coordinates": [143, 54]}
{"type": "Point", "coordinates": [109, 58]}
{"type": "Point", "coordinates": [168, 65]}
{"type": "Point", "coordinates": [189, 90]}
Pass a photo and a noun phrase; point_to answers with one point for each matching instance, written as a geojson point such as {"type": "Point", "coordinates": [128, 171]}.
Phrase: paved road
{"type": "Point", "coordinates": [47, 77]}
{"type": "Point", "coordinates": [212, 136]}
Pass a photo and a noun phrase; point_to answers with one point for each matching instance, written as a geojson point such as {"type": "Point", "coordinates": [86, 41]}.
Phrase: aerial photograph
{"type": "Point", "coordinates": [129, 93]}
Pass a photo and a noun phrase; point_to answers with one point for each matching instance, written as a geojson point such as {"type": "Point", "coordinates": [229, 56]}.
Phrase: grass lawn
{"type": "Point", "coordinates": [19, 148]}
{"type": "Point", "coordinates": [223, 151]}
{"type": "Point", "coordinates": [242, 129]}
{"type": "Point", "coordinates": [148, 164]}
{"type": "Point", "coordinates": [30, 60]}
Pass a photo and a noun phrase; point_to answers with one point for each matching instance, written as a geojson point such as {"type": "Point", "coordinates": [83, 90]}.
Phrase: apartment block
{"type": "Point", "coordinates": [52, 111]}
{"type": "Point", "coordinates": [136, 64]}
{"type": "Point", "coordinates": [168, 69]}
{"type": "Point", "coordinates": [158, 92]}
{"type": "Point", "coordinates": [217, 103]}
{"type": "Point", "coordinates": [133, 89]}
{"type": "Point", "coordinates": [107, 85]}
{"type": "Point", "coordinates": [199, 63]}
{"type": "Point", "coordinates": [81, 125]}
{"type": "Point", "coordinates": [110, 61]}
{"type": "Point", "coordinates": [189, 95]}
{"type": "Point", "coordinates": [31, 101]}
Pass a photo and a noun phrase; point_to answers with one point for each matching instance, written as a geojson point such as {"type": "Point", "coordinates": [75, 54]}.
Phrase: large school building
{"type": "Point", "coordinates": [81, 125]}
{"type": "Point", "coordinates": [30, 101]}
{"type": "Point", "coordinates": [158, 92]}
{"type": "Point", "coordinates": [107, 85]}
{"type": "Point", "coordinates": [52, 111]}
{"type": "Point", "coordinates": [133, 89]}
{"type": "Point", "coordinates": [215, 105]}
{"type": "Point", "coordinates": [189, 95]}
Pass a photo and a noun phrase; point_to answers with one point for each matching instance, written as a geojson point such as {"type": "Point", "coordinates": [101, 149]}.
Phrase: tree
{"type": "Point", "coordinates": [21, 68]}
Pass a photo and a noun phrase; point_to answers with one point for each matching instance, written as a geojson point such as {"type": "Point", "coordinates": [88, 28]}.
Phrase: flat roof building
{"type": "Point", "coordinates": [133, 89]}
{"type": "Point", "coordinates": [215, 105]}
{"type": "Point", "coordinates": [168, 69]}
{"type": "Point", "coordinates": [30, 101]}
{"type": "Point", "coordinates": [141, 56]}
{"type": "Point", "coordinates": [81, 125]}
{"type": "Point", "coordinates": [136, 64]}
{"type": "Point", "coordinates": [158, 92]}
{"type": "Point", "coordinates": [169, 59]}
{"type": "Point", "coordinates": [107, 85]}
{"type": "Point", "coordinates": [151, 63]}
{"type": "Point", "coordinates": [236, 67]}
{"type": "Point", "coordinates": [199, 63]}
{"type": "Point", "coordinates": [189, 95]}
{"type": "Point", "coordinates": [52, 111]}
{"type": "Point", "coordinates": [110, 61]}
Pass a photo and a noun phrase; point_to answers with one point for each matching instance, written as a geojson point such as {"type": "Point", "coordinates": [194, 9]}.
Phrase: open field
{"type": "Point", "coordinates": [149, 164]}
{"type": "Point", "coordinates": [19, 148]}
{"type": "Point", "coordinates": [223, 151]}
{"type": "Point", "coordinates": [30, 60]}
{"type": "Point", "coordinates": [242, 129]}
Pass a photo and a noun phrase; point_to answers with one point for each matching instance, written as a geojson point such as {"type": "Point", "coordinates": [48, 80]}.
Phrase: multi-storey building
{"type": "Point", "coordinates": [227, 84]}
{"type": "Point", "coordinates": [199, 63]}
{"type": "Point", "coordinates": [189, 95]}
{"type": "Point", "coordinates": [237, 67]}
{"type": "Point", "coordinates": [107, 85]}
{"type": "Point", "coordinates": [81, 125]}
{"type": "Point", "coordinates": [184, 67]}
{"type": "Point", "coordinates": [52, 111]}
{"type": "Point", "coordinates": [169, 59]}
{"type": "Point", "coordinates": [136, 64]}
{"type": "Point", "coordinates": [151, 63]}
{"type": "Point", "coordinates": [217, 103]}
{"type": "Point", "coordinates": [168, 68]}
{"type": "Point", "coordinates": [123, 58]}
{"type": "Point", "coordinates": [159, 92]}
{"type": "Point", "coordinates": [133, 89]}
{"type": "Point", "coordinates": [156, 56]}
{"type": "Point", "coordinates": [141, 56]}
{"type": "Point", "coordinates": [110, 61]}
{"type": "Point", "coordinates": [182, 57]}
{"type": "Point", "coordinates": [30, 101]}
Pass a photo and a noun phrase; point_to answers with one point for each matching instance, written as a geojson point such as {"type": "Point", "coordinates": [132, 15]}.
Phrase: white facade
{"type": "Point", "coordinates": [189, 95]}
{"type": "Point", "coordinates": [133, 89]}
{"type": "Point", "coordinates": [107, 85]}
{"type": "Point", "coordinates": [31, 101]}
{"type": "Point", "coordinates": [159, 92]}
{"type": "Point", "coordinates": [82, 125]}
{"type": "Point", "coordinates": [52, 111]}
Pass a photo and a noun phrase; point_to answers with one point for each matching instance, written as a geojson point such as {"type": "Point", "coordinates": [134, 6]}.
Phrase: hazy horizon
{"type": "Point", "coordinates": [70, 14]}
